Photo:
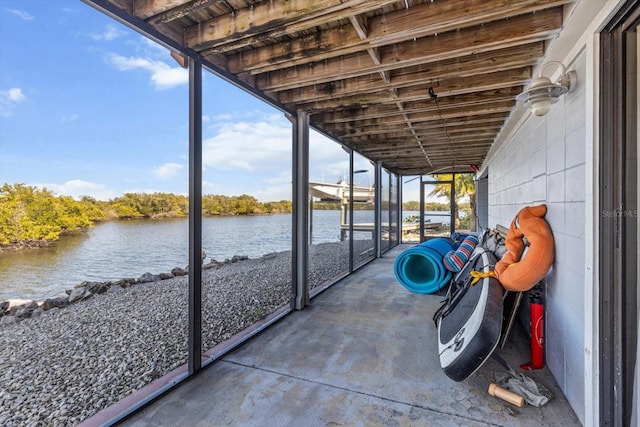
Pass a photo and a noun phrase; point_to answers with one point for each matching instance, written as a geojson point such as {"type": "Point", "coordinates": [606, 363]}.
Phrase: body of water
{"type": "Point", "coordinates": [119, 249]}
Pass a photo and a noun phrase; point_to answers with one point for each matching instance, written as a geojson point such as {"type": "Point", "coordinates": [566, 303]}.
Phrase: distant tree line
{"type": "Point", "coordinates": [32, 217]}
{"type": "Point", "coordinates": [336, 205]}
{"type": "Point", "coordinates": [428, 206]}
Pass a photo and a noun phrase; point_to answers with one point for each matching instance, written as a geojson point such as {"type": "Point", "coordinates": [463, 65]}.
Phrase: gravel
{"type": "Point", "coordinates": [67, 364]}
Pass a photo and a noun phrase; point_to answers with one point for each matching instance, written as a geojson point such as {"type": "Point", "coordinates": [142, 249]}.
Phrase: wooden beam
{"type": "Point", "coordinates": [164, 11]}
{"type": "Point", "coordinates": [408, 142]}
{"type": "Point", "coordinates": [389, 134]}
{"type": "Point", "coordinates": [143, 9]}
{"type": "Point", "coordinates": [482, 122]}
{"type": "Point", "coordinates": [426, 141]}
{"type": "Point", "coordinates": [444, 85]}
{"type": "Point", "coordinates": [449, 87]}
{"type": "Point", "coordinates": [406, 25]}
{"type": "Point", "coordinates": [379, 111]}
{"type": "Point", "coordinates": [442, 142]}
{"type": "Point", "coordinates": [271, 20]}
{"type": "Point", "coordinates": [359, 23]}
{"type": "Point", "coordinates": [434, 154]}
{"type": "Point", "coordinates": [365, 66]}
{"type": "Point", "coordinates": [463, 66]}
{"type": "Point", "coordinates": [458, 62]}
{"type": "Point", "coordinates": [366, 118]}
{"type": "Point", "coordinates": [349, 128]}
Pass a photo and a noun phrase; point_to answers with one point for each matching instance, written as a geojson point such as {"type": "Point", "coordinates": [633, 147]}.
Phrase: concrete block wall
{"type": "Point", "coordinates": [544, 162]}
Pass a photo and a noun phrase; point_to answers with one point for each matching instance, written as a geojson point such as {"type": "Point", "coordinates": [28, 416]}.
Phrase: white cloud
{"type": "Point", "coordinates": [162, 75]}
{"type": "Point", "coordinates": [111, 32]}
{"type": "Point", "coordinates": [328, 161]}
{"type": "Point", "coordinates": [15, 94]}
{"type": "Point", "coordinates": [77, 188]}
{"type": "Point", "coordinates": [22, 14]}
{"type": "Point", "coordinates": [9, 99]}
{"type": "Point", "coordinates": [279, 188]}
{"type": "Point", "coordinates": [158, 48]}
{"type": "Point", "coordinates": [167, 171]}
{"type": "Point", "coordinates": [224, 117]}
{"type": "Point", "coordinates": [250, 146]}
{"type": "Point", "coordinates": [71, 118]}
{"type": "Point", "coordinates": [167, 77]}
{"type": "Point", "coordinates": [274, 194]}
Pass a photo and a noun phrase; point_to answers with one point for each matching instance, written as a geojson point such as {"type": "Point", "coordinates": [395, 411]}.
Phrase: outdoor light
{"type": "Point", "coordinates": [542, 93]}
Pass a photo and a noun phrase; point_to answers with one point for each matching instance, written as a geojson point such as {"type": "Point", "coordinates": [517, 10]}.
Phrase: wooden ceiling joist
{"type": "Point", "coordinates": [410, 89]}
{"type": "Point", "coordinates": [455, 67]}
{"type": "Point", "coordinates": [512, 32]}
{"type": "Point", "coordinates": [426, 20]}
{"type": "Point", "coordinates": [366, 119]}
{"type": "Point", "coordinates": [502, 79]}
{"type": "Point", "coordinates": [272, 20]}
{"type": "Point", "coordinates": [418, 85]}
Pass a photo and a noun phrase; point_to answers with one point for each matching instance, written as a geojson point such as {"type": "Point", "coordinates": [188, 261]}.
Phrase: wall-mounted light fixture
{"type": "Point", "coordinates": [542, 93]}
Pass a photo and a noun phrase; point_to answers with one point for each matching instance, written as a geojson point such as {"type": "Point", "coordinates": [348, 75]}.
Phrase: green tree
{"type": "Point", "coordinates": [464, 186]}
{"type": "Point", "coordinates": [28, 214]}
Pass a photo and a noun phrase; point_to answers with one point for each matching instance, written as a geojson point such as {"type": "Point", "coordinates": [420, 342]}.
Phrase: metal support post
{"type": "Point", "coordinates": [300, 215]}
{"type": "Point", "coordinates": [195, 215]}
{"type": "Point", "coordinates": [378, 208]}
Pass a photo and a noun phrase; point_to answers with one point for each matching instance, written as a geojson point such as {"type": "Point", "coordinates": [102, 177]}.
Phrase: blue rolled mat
{"type": "Point", "coordinates": [420, 269]}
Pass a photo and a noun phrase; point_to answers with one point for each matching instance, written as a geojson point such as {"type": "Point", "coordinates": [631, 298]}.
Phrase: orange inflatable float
{"type": "Point", "coordinates": [517, 273]}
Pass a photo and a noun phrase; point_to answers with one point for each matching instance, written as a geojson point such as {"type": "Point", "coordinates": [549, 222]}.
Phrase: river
{"type": "Point", "coordinates": [119, 249]}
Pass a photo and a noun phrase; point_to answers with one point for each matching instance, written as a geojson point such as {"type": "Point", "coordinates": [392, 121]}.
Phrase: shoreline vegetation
{"type": "Point", "coordinates": [31, 218]}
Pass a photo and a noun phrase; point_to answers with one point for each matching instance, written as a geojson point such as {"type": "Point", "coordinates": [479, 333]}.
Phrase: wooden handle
{"type": "Point", "coordinates": [506, 395]}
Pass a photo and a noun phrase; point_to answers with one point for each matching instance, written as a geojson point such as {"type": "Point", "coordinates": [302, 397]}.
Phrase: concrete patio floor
{"type": "Point", "coordinates": [364, 353]}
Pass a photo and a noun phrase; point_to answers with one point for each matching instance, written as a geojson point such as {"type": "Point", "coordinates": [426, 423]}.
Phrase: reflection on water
{"type": "Point", "coordinates": [119, 249]}
{"type": "Point", "coordinates": [107, 251]}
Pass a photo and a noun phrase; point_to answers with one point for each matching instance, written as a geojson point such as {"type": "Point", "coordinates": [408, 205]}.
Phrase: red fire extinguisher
{"type": "Point", "coordinates": [536, 308]}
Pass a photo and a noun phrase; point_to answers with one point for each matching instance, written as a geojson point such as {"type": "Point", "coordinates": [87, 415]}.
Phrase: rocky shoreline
{"type": "Point", "coordinates": [15, 310]}
{"type": "Point", "coordinates": [61, 365]}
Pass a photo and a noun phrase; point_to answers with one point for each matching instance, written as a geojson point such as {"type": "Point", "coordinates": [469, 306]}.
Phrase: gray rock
{"type": "Point", "coordinates": [165, 276]}
{"type": "Point", "coordinates": [97, 287]}
{"type": "Point", "coordinates": [179, 271]}
{"type": "Point", "coordinates": [125, 283]}
{"type": "Point", "coordinates": [96, 352]}
{"type": "Point", "coordinates": [24, 310]}
{"type": "Point", "coordinates": [58, 302]}
{"type": "Point", "coordinates": [79, 294]}
{"type": "Point", "coordinates": [148, 277]}
{"type": "Point", "coordinates": [22, 313]}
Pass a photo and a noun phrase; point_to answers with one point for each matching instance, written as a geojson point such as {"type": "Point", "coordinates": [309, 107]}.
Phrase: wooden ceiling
{"type": "Point", "coordinates": [423, 86]}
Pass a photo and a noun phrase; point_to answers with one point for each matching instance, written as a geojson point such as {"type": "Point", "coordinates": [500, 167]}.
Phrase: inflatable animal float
{"type": "Point", "coordinates": [520, 273]}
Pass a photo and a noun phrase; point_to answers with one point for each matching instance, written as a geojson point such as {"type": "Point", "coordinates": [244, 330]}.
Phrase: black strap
{"type": "Point", "coordinates": [456, 291]}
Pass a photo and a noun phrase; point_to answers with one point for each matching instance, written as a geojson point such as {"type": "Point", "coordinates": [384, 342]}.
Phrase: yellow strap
{"type": "Point", "coordinates": [477, 275]}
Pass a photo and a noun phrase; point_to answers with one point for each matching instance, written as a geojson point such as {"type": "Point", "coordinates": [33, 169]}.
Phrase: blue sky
{"type": "Point", "coordinates": [90, 107]}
